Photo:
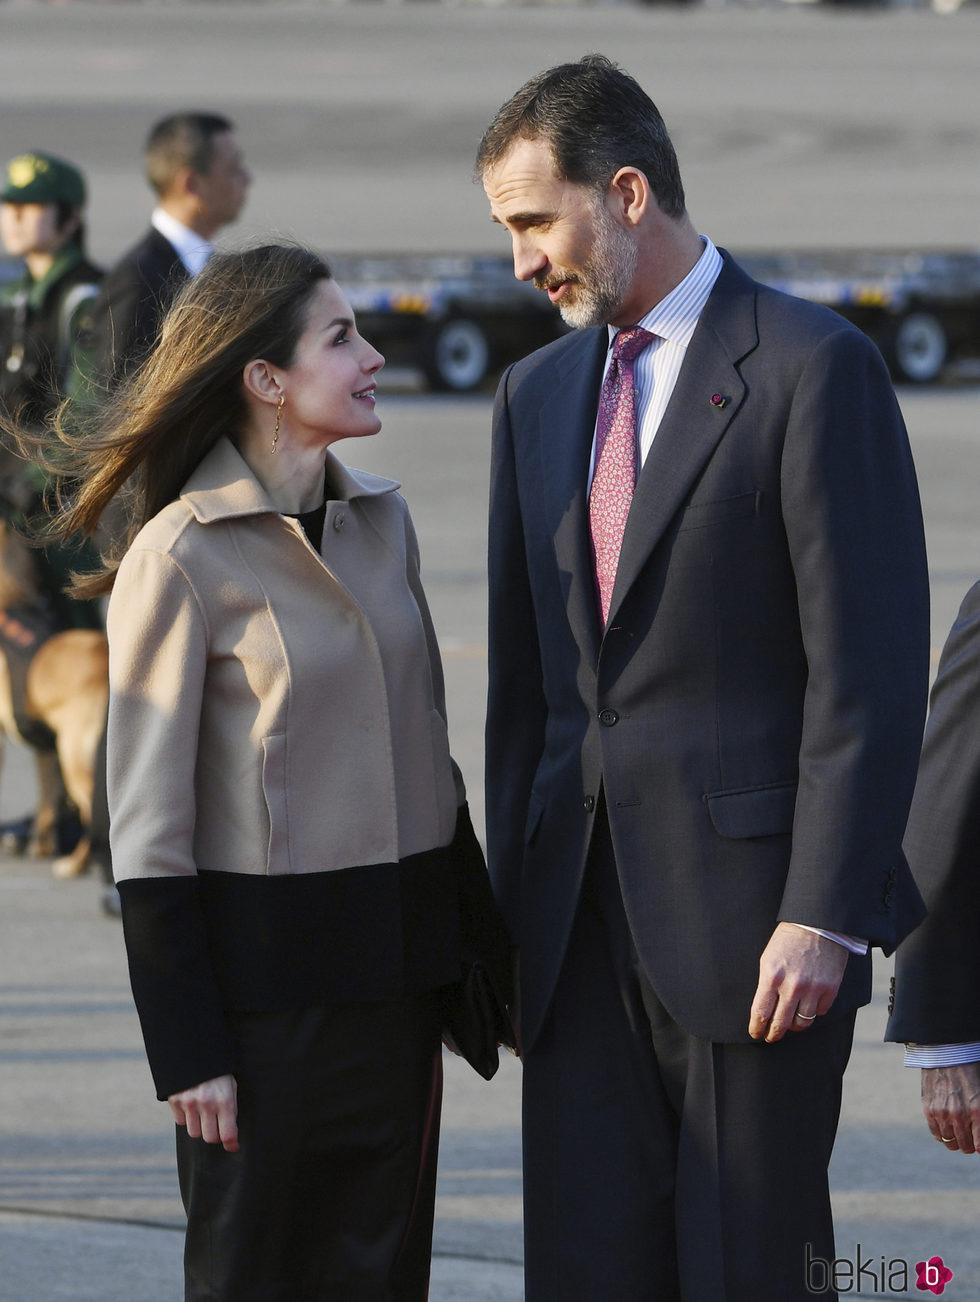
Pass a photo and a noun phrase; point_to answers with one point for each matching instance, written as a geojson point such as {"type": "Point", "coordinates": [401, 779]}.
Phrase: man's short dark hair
{"type": "Point", "coordinates": [181, 140]}
{"type": "Point", "coordinates": [596, 119]}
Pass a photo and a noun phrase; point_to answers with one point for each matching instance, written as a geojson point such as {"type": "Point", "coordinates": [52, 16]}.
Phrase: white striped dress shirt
{"type": "Point", "coordinates": [656, 369]}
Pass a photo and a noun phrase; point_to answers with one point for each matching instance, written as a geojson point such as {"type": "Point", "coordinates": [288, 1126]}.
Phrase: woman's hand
{"type": "Point", "coordinates": [209, 1111]}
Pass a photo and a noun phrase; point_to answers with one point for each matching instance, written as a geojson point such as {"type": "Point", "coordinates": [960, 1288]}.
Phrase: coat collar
{"type": "Point", "coordinates": [223, 486]}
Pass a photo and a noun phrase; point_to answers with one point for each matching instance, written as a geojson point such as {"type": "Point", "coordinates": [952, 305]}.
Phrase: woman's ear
{"type": "Point", "coordinates": [260, 381]}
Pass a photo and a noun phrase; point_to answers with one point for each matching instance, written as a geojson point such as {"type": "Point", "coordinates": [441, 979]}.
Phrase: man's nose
{"type": "Point", "coordinates": [529, 260]}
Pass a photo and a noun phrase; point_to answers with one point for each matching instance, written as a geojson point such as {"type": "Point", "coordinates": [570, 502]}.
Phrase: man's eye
{"type": "Point", "coordinates": [341, 337]}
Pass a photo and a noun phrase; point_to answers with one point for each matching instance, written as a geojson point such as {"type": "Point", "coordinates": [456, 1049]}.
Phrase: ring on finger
{"type": "Point", "coordinates": [803, 1017]}
{"type": "Point", "coordinates": [948, 1141]}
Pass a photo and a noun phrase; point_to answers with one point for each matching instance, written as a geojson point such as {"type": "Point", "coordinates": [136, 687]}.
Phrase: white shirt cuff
{"type": "Point", "coordinates": [854, 943]}
{"type": "Point", "coordinates": [941, 1055]}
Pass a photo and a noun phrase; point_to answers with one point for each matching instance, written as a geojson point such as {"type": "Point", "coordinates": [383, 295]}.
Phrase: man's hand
{"type": "Point", "coordinates": [209, 1111]}
{"type": "Point", "coordinates": [799, 976]}
{"type": "Point", "coordinates": [951, 1102]}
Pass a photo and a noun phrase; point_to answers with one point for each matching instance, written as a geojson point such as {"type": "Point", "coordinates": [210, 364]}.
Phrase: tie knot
{"type": "Point", "coordinates": [628, 344]}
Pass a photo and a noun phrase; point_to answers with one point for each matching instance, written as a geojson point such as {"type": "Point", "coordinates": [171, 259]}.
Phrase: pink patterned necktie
{"type": "Point", "coordinates": [615, 459]}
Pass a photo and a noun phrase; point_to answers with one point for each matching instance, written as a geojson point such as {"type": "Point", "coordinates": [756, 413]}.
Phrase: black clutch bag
{"type": "Point", "coordinates": [476, 1020]}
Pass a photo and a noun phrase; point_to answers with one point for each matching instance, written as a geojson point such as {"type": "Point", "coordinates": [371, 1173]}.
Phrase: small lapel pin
{"type": "Point", "coordinates": [719, 400]}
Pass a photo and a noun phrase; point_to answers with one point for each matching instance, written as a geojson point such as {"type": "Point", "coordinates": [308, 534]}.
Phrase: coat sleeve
{"type": "Point", "coordinates": [937, 970]}
{"type": "Point", "coordinates": [157, 659]}
{"type": "Point", "coordinates": [854, 529]}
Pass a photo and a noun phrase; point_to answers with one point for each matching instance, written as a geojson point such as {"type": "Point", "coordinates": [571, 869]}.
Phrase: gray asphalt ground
{"type": "Point", "coordinates": [796, 126]}
{"type": "Point", "coordinates": [88, 1203]}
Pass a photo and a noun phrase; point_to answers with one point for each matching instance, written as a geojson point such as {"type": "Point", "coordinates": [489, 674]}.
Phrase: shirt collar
{"type": "Point", "coordinates": [676, 316]}
{"type": "Point", "coordinates": [192, 249]}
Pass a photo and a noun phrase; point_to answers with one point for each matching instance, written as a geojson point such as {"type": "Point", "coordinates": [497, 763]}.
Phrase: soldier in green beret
{"type": "Point", "coordinates": [42, 311]}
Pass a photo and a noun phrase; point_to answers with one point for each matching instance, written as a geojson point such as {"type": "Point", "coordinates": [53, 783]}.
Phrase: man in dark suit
{"type": "Point", "coordinates": [935, 1006]}
{"type": "Point", "coordinates": [194, 164]}
{"type": "Point", "coordinates": [702, 737]}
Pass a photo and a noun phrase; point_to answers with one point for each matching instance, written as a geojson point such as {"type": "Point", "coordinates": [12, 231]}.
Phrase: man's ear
{"type": "Point", "coordinates": [630, 195]}
{"type": "Point", "coordinates": [260, 381]}
{"type": "Point", "coordinates": [184, 182]}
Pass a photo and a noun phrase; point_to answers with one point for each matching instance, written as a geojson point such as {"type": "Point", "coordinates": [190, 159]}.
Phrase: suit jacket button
{"type": "Point", "coordinates": [589, 803]}
{"type": "Point", "coordinates": [608, 717]}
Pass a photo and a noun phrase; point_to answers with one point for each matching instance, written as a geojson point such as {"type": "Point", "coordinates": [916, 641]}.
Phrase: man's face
{"type": "Point", "coordinates": [222, 188]}
{"type": "Point", "coordinates": [565, 238]}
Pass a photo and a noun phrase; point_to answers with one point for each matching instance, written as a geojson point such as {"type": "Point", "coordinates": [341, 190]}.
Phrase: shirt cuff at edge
{"type": "Point", "coordinates": [854, 943]}
{"type": "Point", "coordinates": [941, 1055]}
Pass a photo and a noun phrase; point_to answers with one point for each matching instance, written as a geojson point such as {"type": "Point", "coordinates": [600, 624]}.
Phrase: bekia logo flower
{"type": "Point", "coordinates": [933, 1276]}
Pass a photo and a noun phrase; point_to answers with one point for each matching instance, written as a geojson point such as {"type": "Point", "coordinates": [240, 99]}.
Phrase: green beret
{"type": "Point", "coordinates": [42, 178]}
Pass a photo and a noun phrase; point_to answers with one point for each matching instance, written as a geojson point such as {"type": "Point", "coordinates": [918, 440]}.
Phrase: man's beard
{"type": "Point", "coordinates": [598, 291]}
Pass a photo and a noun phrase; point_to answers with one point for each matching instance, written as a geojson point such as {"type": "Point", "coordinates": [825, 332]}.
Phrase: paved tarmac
{"type": "Point", "coordinates": [796, 124]}
{"type": "Point", "coordinates": [88, 1202]}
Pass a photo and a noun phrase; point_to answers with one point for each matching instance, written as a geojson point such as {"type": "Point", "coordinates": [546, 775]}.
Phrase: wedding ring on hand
{"type": "Point", "coordinates": [803, 1017]}
{"type": "Point", "coordinates": [948, 1141]}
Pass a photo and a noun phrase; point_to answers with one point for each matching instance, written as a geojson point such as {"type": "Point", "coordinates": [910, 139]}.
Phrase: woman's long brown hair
{"type": "Point", "coordinates": [138, 449]}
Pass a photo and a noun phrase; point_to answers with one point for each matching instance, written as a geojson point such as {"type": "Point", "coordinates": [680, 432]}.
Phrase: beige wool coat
{"type": "Point", "coordinates": [265, 709]}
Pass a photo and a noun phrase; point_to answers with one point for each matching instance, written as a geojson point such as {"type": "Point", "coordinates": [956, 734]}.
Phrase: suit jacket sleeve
{"type": "Point", "coordinates": [854, 531]}
{"type": "Point", "coordinates": [516, 709]}
{"type": "Point", "coordinates": [937, 971]}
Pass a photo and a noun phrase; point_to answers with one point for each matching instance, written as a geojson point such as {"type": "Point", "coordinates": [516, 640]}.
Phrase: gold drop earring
{"type": "Point", "coordinates": [275, 437]}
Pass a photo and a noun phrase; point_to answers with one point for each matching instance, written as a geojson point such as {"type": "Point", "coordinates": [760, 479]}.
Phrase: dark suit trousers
{"type": "Point", "coordinates": [663, 1168]}
{"type": "Point", "coordinates": [331, 1195]}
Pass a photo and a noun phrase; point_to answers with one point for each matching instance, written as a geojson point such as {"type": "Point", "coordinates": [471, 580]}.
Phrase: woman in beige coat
{"type": "Point", "coordinates": [287, 823]}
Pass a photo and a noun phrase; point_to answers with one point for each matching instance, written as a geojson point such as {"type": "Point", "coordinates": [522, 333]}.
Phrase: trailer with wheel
{"type": "Point", "coordinates": [462, 319]}
{"type": "Point", "coordinates": [459, 320]}
{"type": "Point", "coordinates": [921, 309]}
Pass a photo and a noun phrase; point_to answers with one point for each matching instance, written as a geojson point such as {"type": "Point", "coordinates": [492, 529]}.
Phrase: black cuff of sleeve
{"type": "Point", "coordinates": [184, 1028]}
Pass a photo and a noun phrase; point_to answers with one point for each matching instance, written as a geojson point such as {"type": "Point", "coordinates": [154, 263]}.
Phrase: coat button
{"type": "Point", "coordinates": [338, 521]}
{"type": "Point", "coordinates": [608, 717]}
{"type": "Point", "coordinates": [589, 804]}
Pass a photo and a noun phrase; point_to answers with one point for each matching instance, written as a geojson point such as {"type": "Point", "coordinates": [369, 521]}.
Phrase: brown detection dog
{"type": "Point", "coordinates": [57, 694]}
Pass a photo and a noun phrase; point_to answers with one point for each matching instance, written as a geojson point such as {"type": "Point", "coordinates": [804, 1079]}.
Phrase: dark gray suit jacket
{"type": "Point", "coordinates": [754, 711]}
{"type": "Point", "coordinates": [129, 310]}
{"type": "Point", "coordinates": [936, 998]}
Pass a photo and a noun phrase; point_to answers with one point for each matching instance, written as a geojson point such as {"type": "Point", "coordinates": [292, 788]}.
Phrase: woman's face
{"type": "Point", "coordinates": [329, 386]}
{"type": "Point", "coordinates": [31, 228]}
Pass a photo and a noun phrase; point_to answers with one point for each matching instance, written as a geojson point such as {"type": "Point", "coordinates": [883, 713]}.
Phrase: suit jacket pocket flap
{"type": "Point", "coordinates": [753, 811]}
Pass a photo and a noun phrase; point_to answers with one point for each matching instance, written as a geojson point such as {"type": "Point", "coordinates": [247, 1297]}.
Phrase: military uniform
{"type": "Point", "coordinates": [42, 325]}
{"type": "Point", "coordinates": [41, 321]}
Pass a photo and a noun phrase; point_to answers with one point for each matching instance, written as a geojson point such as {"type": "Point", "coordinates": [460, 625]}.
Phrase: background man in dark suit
{"type": "Point", "coordinates": [194, 164]}
{"type": "Point", "coordinates": [935, 1005]}
{"type": "Point", "coordinates": [698, 778]}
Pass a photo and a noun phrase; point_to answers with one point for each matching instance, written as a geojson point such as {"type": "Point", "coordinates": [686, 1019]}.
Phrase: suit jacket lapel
{"type": "Point", "coordinates": [567, 426]}
{"type": "Point", "coordinates": [692, 425]}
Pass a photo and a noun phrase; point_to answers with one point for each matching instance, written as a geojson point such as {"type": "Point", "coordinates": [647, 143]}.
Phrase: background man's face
{"type": "Point", "coordinates": [222, 189]}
